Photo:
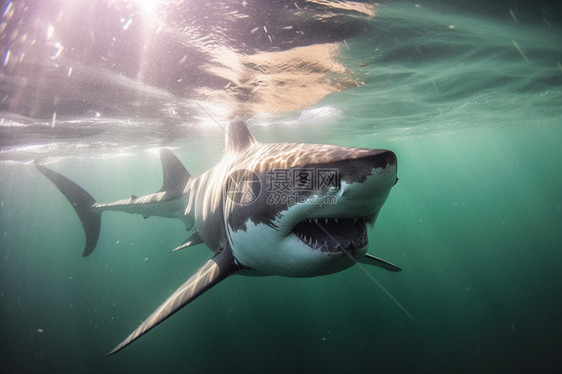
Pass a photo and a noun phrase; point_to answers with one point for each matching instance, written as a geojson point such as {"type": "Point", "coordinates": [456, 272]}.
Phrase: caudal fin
{"type": "Point", "coordinates": [82, 203]}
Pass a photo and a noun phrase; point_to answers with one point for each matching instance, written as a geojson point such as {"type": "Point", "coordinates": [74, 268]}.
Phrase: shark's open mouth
{"type": "Point", "coordinates": [332, 234]}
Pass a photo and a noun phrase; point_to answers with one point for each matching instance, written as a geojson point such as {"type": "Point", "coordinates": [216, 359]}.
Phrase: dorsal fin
{"type": "Point", "coordinates": [176, 175]}
{"type": "Point", "coordinates": [238, 137]}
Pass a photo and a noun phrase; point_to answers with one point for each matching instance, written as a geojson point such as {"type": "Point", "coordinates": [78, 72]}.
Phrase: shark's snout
{"type": "Point", "coordinates": [357, 165]}
{"type": "Point", "coordinates": [369, 177]}
{"type": "Point", "coordinates": [381, 158]}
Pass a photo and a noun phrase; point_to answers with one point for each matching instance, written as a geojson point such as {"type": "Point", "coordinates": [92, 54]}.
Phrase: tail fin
{"type": "Point", "coordinates": [82, 203]}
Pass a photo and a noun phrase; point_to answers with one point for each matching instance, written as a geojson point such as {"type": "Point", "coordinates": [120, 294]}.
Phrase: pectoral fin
{"type": "Point", "coordinates": [214, 270]}
{"type": "Point", "coordinates": [194, 239]}
{"type": "Point", "coordinates": [372, 260]}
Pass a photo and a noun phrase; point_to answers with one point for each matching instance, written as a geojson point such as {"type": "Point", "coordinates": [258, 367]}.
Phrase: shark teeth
{"type": "Point", "coordinates": [333, 234]}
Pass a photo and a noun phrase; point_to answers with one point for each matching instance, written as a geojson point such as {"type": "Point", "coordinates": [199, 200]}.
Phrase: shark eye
{"type": "Point", "coordinates": [332, 234]}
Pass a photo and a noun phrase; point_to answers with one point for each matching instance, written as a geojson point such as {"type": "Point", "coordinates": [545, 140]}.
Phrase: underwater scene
{"type": "Point", "coordinates": [101, 96]}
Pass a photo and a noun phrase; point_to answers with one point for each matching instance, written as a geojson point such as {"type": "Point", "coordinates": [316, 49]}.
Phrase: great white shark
{"type": "Point", "coordinates": [295, 210]}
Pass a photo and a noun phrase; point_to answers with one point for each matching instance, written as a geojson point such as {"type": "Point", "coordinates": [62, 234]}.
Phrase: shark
{"type": "Point", "coordinates": [286, 209]}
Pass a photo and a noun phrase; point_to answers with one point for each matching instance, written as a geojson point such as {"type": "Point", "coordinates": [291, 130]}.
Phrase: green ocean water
{"type": "Point", "coordinates": [471, 103]}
